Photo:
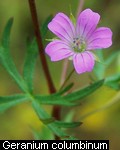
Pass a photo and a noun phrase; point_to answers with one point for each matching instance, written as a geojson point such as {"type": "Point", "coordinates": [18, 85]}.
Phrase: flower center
{"type": "Point", "coordinates": [78, 45]}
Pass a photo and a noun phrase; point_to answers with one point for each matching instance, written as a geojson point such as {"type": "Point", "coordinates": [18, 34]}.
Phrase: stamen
{"type": "Point", "coordinates": [78, 45]}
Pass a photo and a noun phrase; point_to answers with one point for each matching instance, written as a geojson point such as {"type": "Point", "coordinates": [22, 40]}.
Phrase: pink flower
{"type": "Point", "coordinates": [77, 42]}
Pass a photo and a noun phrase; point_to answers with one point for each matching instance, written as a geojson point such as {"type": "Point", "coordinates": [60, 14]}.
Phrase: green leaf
{"type": "Point", "coordinates": [6, 34]}
{"type": "Point", "coordinates": [9, 101]}
{"type": "Point", "coordinates": [29, 66]}
{"type": "Point", "coordinates": [53, 100]}
{"type": "Point", "coordinates": [69, 117]}
{"type": "Point", "coordinates": [67, 124]}
{"type": "Point", "coordinates": [113, 81]}
{"type": "Point", "coordinates": [44, 27]}
{"type": "Point", "coordinates": [113, 85]}
{"type": "Point", "coordinates": [8, 64]}
{"type": "Point", "coordinates": [48, 120]}
{"type": "Point", "coordinates": [113, 78]}
{"type": "Point", "coordinates": [6, 59]}
{"type": "Point", "coordinates": [67, 88]}
{"type": "Point", "coordinates": [43, 115]}
{"type": "Point", "coordinates": [84, 92]}
{"type": "Point", "coordinates": [67, 100]}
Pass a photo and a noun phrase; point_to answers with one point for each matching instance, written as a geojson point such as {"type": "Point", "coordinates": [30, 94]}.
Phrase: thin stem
{"type": "Point", "coordinates": [80, 6]}
{"type": "Point", "coordinates": [68, 77]}
{"type": "Point", "coordinates": [107, 105]}
{"type": "Point", "coordinates": [40, 45]}
{"type": "Point", "coordinates": [56, 109]}
{"type": "Point", "coordinates": [64, 71]}
{"type": "Point", "coordinates": [56, 114]}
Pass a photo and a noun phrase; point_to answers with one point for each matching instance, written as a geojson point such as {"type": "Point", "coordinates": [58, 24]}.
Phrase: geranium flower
{"type": "Point", "coordinates": [78, 41]}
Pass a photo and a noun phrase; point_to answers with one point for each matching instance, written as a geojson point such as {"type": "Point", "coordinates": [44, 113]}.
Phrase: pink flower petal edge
{"type": "Point", "coordinates": [58, 50]}
{"type": "Point", "coordinates": [62, 26]}
{"type": "Point", "coordinates": [83, 62]}
{"type": "Point", "coordinates": [78, 41]}
{"type": "Point", "coordinates": [101, 38]}
{"type": "Point", "coordinates": [87, 22]}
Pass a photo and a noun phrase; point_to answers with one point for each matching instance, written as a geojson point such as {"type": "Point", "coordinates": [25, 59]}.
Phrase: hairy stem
{"type": "Point", "coordinates": [56, 109]}
{"type": "Point", "coordinates": [40, 45]}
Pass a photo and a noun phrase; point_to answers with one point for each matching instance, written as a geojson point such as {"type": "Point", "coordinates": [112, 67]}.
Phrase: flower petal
{"type": "Point", "coordinates": [62, 27]}
{"type": "Point", "coordinates": [89, 60]}
{"type": "Point", "coordinates": [101, 38]}
{"type": "Point", "coordinates": [83, 62]}
{"type": "Point", "coordinates": [87, 22]}
{"type": "Point", "coordinates": [58, 50]}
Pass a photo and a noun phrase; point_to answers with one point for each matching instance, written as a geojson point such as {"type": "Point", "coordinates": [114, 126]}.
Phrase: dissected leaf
{"type": "Point", "coordinates": [54, 100]}
{"type": "Point", "coordinates": [9, 101]}
{"type": "Point", "coordinates": [113, 78]}
{"type": "Point", "coordinates": [6, 34]}
{"type": "Point", "coordinates": [113, 81]}
{"type": "Point", "coordinates": [67, 124]}
{"type": "Point", "coordinates": [67, 88]}
{"type": "Point", "coordinates": [84, 92]}
{"type": "Point", "coordinates": [8, 64]}
{"type": "Point", "coordinates": [29, 66]}
{"type": "Point", "coordinates": [68, 99]}
{"type": "Point", "coordinates": [5, 56]}
{"type": "Point", "coordinates": [47, 120]}
{"type": "Point", "coordinates": [69, 116]}
{"type": "Point", "coordinates": [43, 115]}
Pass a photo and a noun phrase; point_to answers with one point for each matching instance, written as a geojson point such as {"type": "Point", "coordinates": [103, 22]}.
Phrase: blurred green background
{"type": "Point", "coordinates": [16, 122]}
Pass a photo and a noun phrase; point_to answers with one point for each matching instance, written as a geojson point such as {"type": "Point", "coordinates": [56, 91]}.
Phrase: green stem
{"type": "Point", "coordinates": [107, 105]}
{"type": "Point", "coordinates": [64, 71]}
{"type": "Point", "coordinates": [68, 77]}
